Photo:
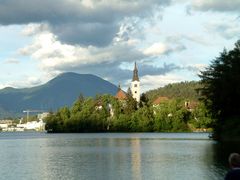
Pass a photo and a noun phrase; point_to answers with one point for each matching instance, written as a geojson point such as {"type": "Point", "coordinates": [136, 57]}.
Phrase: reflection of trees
{"type": "Point", "coordinates": [216, 157]}
{"type": "Point", "coordinates": [222, 150]}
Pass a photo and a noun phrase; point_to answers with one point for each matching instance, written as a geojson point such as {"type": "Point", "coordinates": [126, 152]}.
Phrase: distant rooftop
{"type": "Point", "coordinates": [160, 100]}
{"type": "Point", "coordinates": [121, 95]}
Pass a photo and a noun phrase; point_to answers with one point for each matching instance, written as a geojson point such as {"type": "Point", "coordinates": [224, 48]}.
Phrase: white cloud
{"type": "Point", "coordinates": [156, 49]}
{"type": "Point", "coordinates": [163, 49]}
{"type": "Point", "coordinates": [216, 5]}
{"type": "Point", "coordinates": [197, 68]}
{"type": "Point", "coordinates": [26, 82]}
{"type": "Point", "coordinates": [4, 85]}
{"type": "Point", "coordinates": [54, 55]}
{"type": "Point", "coordinates": [153, 82]}
{"type": "Point", "coordinates": [227, 28]}
{"type": "Point", "coordinates": [34, 28]}
{"type": "Point", "coordinates": [11, 61]}
{"type": "Point", "coordinates": [181, 37]}
{"type": "Point", "coordinates": [33, 81]}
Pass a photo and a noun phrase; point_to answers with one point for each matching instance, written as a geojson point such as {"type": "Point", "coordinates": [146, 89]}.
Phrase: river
{"type": "Point", "coordinates": [114, 156]}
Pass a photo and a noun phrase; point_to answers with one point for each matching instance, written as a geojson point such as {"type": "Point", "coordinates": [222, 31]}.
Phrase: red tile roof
{"type": "Point", "coordinates": [121, 95]}
{"type": "Point", "coordinates": [160, 100]}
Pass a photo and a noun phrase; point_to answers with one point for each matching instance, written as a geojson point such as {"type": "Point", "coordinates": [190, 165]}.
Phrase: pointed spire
{"type": "Point", "coordinates": [119, 87]}
{"type": "Point", "coordinates": [135, 73]}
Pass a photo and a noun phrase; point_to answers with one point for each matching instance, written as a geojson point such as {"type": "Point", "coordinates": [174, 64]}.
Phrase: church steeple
{"type": "Point", "coordinates": [135, 73]}
{"type": "Point", "coordinates": [135, 84]}
{"type": "Point", "coordinates": [119, 87]}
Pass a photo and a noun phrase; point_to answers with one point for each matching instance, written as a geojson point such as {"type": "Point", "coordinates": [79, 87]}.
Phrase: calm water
{"type": "Point", "coordinates": [112, 156]}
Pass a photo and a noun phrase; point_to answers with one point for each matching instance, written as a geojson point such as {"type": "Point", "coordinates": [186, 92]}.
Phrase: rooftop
{"type": "Point", "coordinates": [160, 100]}
{"type": "Point", "coordinates": [121, 95]}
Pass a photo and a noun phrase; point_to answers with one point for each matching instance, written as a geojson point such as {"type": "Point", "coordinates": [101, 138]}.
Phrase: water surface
{"type": "Point", "coordinates": [112, 156]}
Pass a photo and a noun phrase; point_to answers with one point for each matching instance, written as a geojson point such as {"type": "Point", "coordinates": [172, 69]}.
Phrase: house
{"type": "Point", "coordinates": [160, 100]}
{"type": "Point", "coordinates": [190, 105]}
{"type": "Point", "coordinates": [5, 124]}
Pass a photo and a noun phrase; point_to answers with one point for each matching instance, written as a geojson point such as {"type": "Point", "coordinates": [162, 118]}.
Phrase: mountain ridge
{"type": "Point", "coordinates": [60, 91]}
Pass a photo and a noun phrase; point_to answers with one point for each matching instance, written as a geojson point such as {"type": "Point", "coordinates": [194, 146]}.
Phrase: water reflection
{"type": "Point", "coordinates": [222, 152]}
{"type": "Point", "coordinates": [113, 156]}
{"type": "Point", "coordinates": [136, 159]}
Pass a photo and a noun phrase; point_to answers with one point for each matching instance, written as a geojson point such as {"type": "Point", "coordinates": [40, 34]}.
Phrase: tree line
{"type": "Point", "coordinates": [105, 113]}
{"type": "Point", "coordinates": [221, 93]}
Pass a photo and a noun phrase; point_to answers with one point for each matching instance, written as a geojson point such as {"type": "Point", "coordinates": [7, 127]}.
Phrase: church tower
{"type": "Point", "coordinates": [135, 85]}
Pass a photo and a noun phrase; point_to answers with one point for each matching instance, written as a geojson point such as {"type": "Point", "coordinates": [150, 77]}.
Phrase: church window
{"type": "Point", "coordinates": [135, 92]}
{"type": "Point", "coordinates": [135, 85]}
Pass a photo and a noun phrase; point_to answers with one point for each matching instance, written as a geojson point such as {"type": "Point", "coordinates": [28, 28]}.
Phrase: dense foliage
{"type": "Point", "coordinates": [221, 93]}
{"type": "Point", "coordinates": [107, 114]}
{"type": "Point", "coordinates": [184, 90]}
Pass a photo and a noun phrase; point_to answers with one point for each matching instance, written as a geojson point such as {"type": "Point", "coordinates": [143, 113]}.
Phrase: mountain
{"type": "Point", "coordinates": [58, 92]}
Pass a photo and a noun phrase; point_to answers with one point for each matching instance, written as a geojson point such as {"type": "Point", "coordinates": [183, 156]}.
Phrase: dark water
{"type": "Point", "coordinates": [112, 156]}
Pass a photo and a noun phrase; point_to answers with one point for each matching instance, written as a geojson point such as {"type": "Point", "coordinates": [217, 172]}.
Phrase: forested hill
{"type": "Point", "coordinates": [183, 90]}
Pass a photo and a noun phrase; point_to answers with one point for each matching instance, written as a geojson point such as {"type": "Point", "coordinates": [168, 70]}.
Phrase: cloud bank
{"type": "Point", "coordinates": [106, 37]}
{"type": "Point", "coordinates": [86, 22]}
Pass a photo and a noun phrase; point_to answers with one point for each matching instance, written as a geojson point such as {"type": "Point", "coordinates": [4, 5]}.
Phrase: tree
{"type": "Point", "coordinates": [144, 101]}
{"type": "Point", "coordinates": [131, 103]}
{"type": "Point", "coordinates": [221, 90]}
{"type": "Point", "coordinates": [122, 123]}
{"type": "Point", "coordinates": [184, 90]}
{"type": "Point", "coordinates": [201, 117]}
{"type": "Point", "coordinates": [171, 116]}
{"type": "Point", "coordinates": [77, 106]}
{"type": "Point", "coordinates": [142, 120]}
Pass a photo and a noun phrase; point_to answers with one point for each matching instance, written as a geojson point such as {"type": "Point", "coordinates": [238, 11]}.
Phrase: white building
{"type": "Point", "coordinates": [33, 125]}
{"type": "Point", "coordinates": [43, 115]}
{"type": "Point", "coordinates": [3, 126]}
{"type": "Point", "coordinates": [135, 84]}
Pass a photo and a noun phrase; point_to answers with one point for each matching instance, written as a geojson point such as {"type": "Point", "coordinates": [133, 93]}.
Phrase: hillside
{"type": "Point", "coordinates": [183, 90]}
{"type": "Point", "coordinates": [60, 91]}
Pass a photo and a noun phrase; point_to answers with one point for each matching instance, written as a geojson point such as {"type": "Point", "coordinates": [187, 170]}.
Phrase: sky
{"type": "Point", "coordinates": [170, 40]}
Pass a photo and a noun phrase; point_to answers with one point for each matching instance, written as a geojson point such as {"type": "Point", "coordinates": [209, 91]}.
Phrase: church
{"type": "Point", "coordinates": [135, 87]}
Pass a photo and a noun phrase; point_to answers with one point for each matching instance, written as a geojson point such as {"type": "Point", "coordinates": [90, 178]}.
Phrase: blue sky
{"type": "Point", "coordinates": [171, 40]}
